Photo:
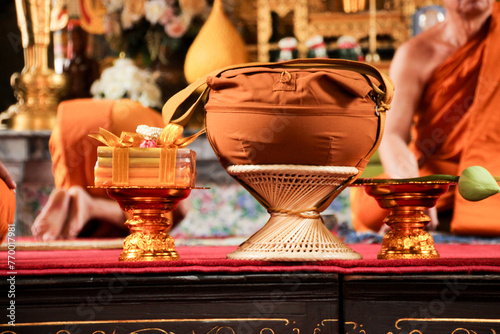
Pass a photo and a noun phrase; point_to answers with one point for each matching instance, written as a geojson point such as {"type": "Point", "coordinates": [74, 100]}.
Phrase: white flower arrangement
{"type": "Point", "coordinates": [125, 80]}
{"type": "Point", "coordinates": [154, 10]}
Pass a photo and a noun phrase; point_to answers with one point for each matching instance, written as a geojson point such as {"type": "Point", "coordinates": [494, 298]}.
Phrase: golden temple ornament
{"type": "Point", "coordinates": [37, 88]}
{"type": "Point", "coordinates": [407, 199]}
{"type": "Point", "coordinates": [354, 6]}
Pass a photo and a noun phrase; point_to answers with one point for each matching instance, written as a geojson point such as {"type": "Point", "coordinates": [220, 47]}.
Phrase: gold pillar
{"type": "Point", "coordinates": [372, 55]}
{"type": "Point", "coordinates": [37, 88]}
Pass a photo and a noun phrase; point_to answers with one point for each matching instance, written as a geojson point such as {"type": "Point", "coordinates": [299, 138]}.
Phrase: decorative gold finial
{"type": "Point", "coordinates": [37, 88]}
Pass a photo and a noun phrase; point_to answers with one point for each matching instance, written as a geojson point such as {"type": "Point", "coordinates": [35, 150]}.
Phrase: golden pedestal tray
{"type": "Point", "coordinates": [407, 199]}
{"type": "Point", "coordinates": [293, 194]}
{"type": "Point", "coordinates": [148, 239]}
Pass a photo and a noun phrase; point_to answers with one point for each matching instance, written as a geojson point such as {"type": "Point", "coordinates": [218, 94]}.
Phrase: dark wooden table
{"type": "Point", "coordinates": [81, 291]}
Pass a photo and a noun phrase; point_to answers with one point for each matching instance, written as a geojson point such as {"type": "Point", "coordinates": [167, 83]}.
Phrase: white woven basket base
{"type": "Point", "coordinates": [293, 257]}
{"type": "Point", "coordinates": [293, 238]}
{"type": "Point", "coordinates": [290, 189]}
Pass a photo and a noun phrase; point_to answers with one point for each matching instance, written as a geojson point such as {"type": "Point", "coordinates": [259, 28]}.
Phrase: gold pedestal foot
{"type": "Point", "coordinates": [149, 247]}
{"type": "Point", "coordinates": [407, 238]}
{"type": "Point", "coordinates": [28, 121]}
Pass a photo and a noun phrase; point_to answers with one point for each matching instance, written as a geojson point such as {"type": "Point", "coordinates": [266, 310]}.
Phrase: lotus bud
{"type": "Point", "coordinates": [476, 183]}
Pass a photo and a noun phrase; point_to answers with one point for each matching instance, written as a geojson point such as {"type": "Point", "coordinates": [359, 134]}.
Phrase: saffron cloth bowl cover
{"type": "Point", "coordinates": [312, 116]}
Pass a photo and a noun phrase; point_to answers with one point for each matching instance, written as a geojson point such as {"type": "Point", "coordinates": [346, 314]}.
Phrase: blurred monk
{"type": "Point", "coordinates": [445, 115]}
{"type": "Point", "coordinates": [73, 210]}
{"type": "Point", "coordinates": [7, 201]}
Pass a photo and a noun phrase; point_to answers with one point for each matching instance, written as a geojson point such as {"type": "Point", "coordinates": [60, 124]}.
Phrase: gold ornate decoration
{"type": "Point", "coordinates": [372, 55]}
{"type": "Point", "coordinates": [449, 320]}
{"type": "Point", "coordinates": [355, 326]}
{"type": "Point", "coordinates": [214, 330]}
{"type": "Point", "coordinates": [138, 244]}
{"type": "Point", "coordinates": [58, 16]}
{"type": "Point", "coordinates": [353, 6]}
{"type": "Point", "coordinates": [148, 239]}
{"type": "Point", "coordinates": [311, 19]}
{"type": "Point", "coordinates": [323, 323]}
{"type": "Point", "coordinates": [453, 329]}
{"type": "Point", "coordinates": [282, 8]}
{"type": "Point", "coordinates": [151, 329]}
{"type": "Point", "coordinates": [37, 88]}
{"type": "Point", "coordinates": [406, 199]}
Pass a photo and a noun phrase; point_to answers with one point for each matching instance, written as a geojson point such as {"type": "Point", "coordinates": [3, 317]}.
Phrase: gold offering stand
{"type": "Point", "coordinates": [407, 199]}
{"type": "Point", "coordinates": [37, 87]}
{"type": "Point", "coordinates": [294, 195]}
{"type": "Point", "coordinates": [148, 239]}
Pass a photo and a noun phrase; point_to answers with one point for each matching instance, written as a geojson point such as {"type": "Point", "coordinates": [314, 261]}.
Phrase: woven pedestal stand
{"type": "Point", "coordinates": [293, 195]}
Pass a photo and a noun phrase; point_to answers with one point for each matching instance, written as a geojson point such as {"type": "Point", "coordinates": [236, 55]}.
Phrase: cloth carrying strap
{"type": "Point", "coordinates": [383, 96]}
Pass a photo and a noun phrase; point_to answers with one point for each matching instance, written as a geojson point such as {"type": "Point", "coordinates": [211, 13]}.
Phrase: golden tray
{"type": "Point", "coordinates": [407, 199]}
{"type": "Point", "coordinates": [148, 222]}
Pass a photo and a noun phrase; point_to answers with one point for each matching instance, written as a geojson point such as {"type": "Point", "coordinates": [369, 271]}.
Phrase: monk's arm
{"type": "Point", "coordinates": [408, 74]}
{"type": "Point", "coordinates": [396, 157]}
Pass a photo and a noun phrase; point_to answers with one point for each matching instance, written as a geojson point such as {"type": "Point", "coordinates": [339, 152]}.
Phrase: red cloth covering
{"type": "Point", "coordinates": [455, 258]}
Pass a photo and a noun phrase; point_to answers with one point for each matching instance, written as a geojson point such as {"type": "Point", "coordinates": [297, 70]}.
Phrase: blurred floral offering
{"type": "Point", "coordinates": [152, 29]}
{"type": "Point", "coordinates": [349, 48]}
{"type": "Point", "coordinates": [317, 47]}
{"type": "Point", "coordinates": [125, 80]}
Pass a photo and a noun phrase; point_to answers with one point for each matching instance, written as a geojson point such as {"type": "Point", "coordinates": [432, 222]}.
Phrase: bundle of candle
{"type": "Point", "coordinates": [151, 157]}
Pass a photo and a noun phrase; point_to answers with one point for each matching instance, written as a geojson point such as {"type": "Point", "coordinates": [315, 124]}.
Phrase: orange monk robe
{"type": "Point", "coordinates": [74, 153]}
{"type": "Point", "coordinates": [7, 209]}
{"type": "Point", "coordinates": [367, 215]}
{"type": "Point", "coordinates": [482, 140]}
{"type": "Point", "coordinates": [439, 135]}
